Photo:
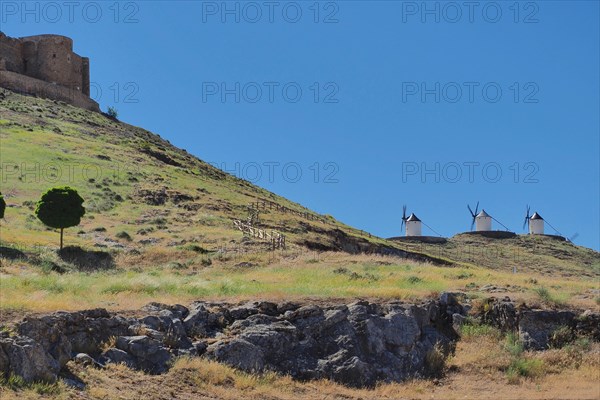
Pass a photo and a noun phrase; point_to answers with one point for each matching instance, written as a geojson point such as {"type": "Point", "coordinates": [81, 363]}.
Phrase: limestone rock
{"type": "Point", "coordinates": [537, 326]}
{"type": "Point", "coordinates": [149, 354]}
{"type": "Point", "coordinates": [28, 359]}
{"type": "Point", "coordinates": [238, 353]}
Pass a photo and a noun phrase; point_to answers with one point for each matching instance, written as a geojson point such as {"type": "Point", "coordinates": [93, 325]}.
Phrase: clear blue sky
{"type": "Point", "coordinates": [402, 91]}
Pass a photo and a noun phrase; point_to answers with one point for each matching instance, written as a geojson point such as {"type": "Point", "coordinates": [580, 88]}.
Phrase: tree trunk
{"type": "Point", "coordinates": [61, 237]}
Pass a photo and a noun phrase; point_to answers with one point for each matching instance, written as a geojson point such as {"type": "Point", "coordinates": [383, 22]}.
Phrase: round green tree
{"type": "Point", "coordinates": [60, 208]}
{"type": "Point", "coordinates": [2, 206]}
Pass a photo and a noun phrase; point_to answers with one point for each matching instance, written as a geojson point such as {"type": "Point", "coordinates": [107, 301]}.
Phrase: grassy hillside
{"type": "Point", "coordinates": [132, 181]}
{"type": "Point", "coordinates": [159, 226]}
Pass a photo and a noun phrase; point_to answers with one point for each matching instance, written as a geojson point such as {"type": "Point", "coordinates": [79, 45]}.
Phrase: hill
{"type": "Point", "coordinates": [140, 190]}
{"type": "Point", "coordinates": [535, 254]}
{"type": "Point", "coordinates": [160, 225]}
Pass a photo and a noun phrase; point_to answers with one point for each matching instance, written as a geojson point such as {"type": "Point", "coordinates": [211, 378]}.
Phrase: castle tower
{"type": "Point", "coordinates": [46, 66]}
{"type": "Point", "coordinates": [50, 58]}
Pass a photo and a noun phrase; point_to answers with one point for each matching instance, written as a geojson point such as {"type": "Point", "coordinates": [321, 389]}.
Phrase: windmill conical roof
{"type": "Point", "coordinates": [413, 217]}
{"type": "Point", "coordinates": [536, 216]}
{"type": "Point", "coordinates": [483, 214]}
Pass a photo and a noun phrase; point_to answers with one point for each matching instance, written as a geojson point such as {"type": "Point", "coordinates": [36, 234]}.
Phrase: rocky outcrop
{"type": "Point", "coordinates": [357, 344]}
{"type": "Point", "coordinates": [500, 313]}
{"type": "Point", "coordinates": [537, 329]}
{"type": "Point", "coordinates": [64, 333]}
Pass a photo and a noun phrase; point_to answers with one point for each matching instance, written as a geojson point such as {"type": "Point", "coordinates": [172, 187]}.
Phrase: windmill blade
{"type": "Point", "coordinates": [404, 213]}
{"type": "Point", "coordinates": [527, 216]}
{"type": "Point", "coordinates": [473, 214]}
{"type": "Point", "coordinates": [471, 211]}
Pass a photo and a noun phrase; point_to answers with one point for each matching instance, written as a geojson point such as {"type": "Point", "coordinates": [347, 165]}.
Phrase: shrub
{"type": "Point", "coordinates": [513, 344]}
{"type": "Point", "coordinates": [471, 329]}
{"type": "Point", "coordinates": [561, 337]}
{"type": "Point", "coordinates": [177, 265]}
{"type": "Point", "coordinates": [341, 270]}
{"type": "Point", "coordinates": [112, 112]}
{"type": "Point", "coordinates": [542, 293]}
{"type": "Point", "coordinates": [196, 248]}
{"type": "Point", "coordinates": [221, 256]}
{"type": "Point", "coordinates": [464, 275]}
{"type": "Point", "coordinates": [48, 266]}
{"type": "Point", "coordinates": [435, 361]}
{"type": "Point", "coordinates": [545, 296]}
{"type": "Point", "coordinates": [526, 367]}
{"type": "Point", "coordinates": [124, 235]}
{"type": "Point", "coordinates": [414, 280]}
{"type": "Point", "coordinates": [206, 262]}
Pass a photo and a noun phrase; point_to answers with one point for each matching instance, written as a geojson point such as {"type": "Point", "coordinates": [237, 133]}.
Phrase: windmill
{"type": "Point", "coordinates": [473, 214]}
{"type": "Point", "coordinates": [412, 222]}
{"type": "Point", "coordinates": [536, 224]}
{"type": "Point", "coordinates": [535, 221]}
{"type": "Point", "coordinates": [481, 220]}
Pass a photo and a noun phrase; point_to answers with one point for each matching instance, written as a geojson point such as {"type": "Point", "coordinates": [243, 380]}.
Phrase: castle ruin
{"type": "Point", "coordinates": [46, 66]}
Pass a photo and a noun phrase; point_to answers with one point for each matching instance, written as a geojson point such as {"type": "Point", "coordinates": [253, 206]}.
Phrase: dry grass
{"type": "Point", "coordinates": [179, 276]}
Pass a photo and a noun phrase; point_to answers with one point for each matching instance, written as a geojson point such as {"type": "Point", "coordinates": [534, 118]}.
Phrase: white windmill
{"type": "Point", "coordinates": [482, 220]}
{"type": "Point", "coordinates": [536, 223]}
{"type": "Point", "coordinates": [413, 223]}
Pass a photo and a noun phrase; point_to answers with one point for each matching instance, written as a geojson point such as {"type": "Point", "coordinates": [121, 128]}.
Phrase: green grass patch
{"type": "Point", "coordinates": [547, 297]}
{"type": "Point", "coordinates": [14, 382]}
{"type": "Point", "coordinates": [472, 329]}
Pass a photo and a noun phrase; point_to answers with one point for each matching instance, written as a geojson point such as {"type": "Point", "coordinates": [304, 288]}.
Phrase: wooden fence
{"type": "Point", "coordinates": [276, 239]}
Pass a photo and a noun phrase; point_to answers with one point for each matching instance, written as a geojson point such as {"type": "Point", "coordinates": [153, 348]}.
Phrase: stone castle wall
{"type": "Point", "coordinates": [46, 66]}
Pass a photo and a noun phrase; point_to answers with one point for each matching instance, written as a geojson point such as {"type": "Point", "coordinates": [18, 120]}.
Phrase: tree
{"type": "Point", "coordinates": [2, 205]}
{"type": "Point", "coordinates": [60, 208]}
{"type": "Point", "coordinates": [112, 112]}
